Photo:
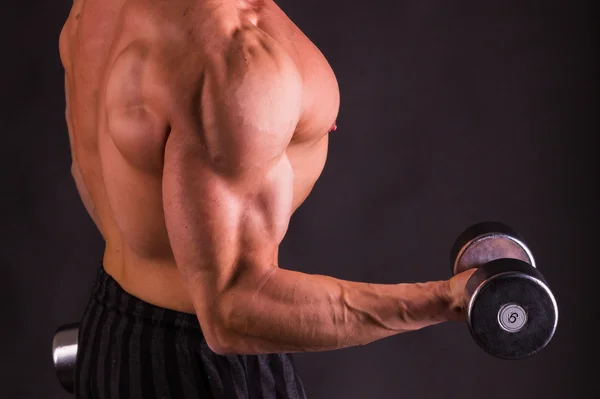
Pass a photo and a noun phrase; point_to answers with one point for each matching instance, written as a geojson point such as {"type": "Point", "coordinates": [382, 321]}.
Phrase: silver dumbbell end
{"type": "Point", "coordinates": [64, 354]}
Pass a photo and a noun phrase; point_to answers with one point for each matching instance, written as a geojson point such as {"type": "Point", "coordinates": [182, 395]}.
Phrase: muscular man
{"type": "Point", "coordinates": [197, 127]}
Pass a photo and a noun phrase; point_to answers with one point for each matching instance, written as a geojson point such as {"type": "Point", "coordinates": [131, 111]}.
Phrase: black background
{"type": "Point", "coordinates": [452, 112]}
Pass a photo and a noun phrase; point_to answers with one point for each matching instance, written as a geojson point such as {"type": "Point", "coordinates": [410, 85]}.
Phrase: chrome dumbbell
{"type": "Point", "coordinates": [512, 313]}
{"type": "Point", "coordinates": [64, 354]}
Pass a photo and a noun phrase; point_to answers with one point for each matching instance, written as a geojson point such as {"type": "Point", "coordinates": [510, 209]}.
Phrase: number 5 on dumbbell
{"type": "Point", "coordinates": [512, 313]}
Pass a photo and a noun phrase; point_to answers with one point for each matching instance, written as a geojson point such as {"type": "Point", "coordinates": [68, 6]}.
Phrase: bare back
{"type": "Point", "coordinates": [122, 59]}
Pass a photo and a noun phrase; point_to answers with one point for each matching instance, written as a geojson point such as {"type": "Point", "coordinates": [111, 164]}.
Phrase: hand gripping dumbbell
{"type": "Point", "coordinates": [64, 354]}
{"type": "Point", "coordinates": [512, 313]}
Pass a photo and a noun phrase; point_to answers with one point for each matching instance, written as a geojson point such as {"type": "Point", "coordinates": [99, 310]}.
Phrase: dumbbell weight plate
{"type": "Point", "coordinates": [512, 313]}
{"type": "Point", "coordinates": [487, 241]}
{"type": "Point", "coordinates": [64, 354]}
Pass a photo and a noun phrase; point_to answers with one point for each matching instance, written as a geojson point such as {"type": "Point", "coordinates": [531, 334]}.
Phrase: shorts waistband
{"type": "Point", "coordinates": [107, 292]}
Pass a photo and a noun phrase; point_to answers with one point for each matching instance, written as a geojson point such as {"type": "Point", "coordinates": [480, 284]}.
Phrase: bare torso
{"type": "Point", "coordinates": [112, 54]}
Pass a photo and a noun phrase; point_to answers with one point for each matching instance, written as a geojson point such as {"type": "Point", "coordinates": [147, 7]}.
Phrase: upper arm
{"type": "Point", "coordinates": [227, 184]}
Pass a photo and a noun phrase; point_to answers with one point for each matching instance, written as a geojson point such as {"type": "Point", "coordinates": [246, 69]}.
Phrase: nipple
{"type": "Point", "coordinates": [333, 128]}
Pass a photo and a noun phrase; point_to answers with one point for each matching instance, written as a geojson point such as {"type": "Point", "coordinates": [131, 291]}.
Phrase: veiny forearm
{"type": "Point", "coordinates": [295, 312]}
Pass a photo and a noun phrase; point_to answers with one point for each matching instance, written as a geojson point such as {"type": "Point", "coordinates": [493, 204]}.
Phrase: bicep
{"type": "Point", "coordinates": [217, 227]}
{"type": "Point", "coordinates": [228, 186]}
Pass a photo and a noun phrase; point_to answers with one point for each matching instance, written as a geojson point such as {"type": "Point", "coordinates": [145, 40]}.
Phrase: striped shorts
{"type": "Point", "coordinates": [130, 349]}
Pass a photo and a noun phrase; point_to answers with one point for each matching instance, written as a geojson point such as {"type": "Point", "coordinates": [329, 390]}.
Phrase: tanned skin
{"type": "Point", "coordinates": [197, 128]}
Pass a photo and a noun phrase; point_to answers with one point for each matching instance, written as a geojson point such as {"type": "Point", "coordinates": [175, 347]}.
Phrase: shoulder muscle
{"type": "Point", "coordinates": [250, 102]}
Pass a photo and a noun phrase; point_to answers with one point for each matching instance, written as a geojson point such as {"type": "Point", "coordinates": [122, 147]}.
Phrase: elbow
{"type": "Point", "coordinates": [221, 344]}
{"type": "Point", "coordinates": [235, 319]}
{"type": "Point", "coordinates": [221, 334]}
{"type": "Point", "coordinates": [218, 335]}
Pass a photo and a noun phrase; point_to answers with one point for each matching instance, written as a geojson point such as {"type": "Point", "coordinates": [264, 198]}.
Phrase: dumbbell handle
{"type": "Point", "coordinates": [64, 354]}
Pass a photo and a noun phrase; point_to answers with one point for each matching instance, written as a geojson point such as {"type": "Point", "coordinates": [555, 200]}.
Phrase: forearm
{"type": "Point", "coordinates": [294, 312]}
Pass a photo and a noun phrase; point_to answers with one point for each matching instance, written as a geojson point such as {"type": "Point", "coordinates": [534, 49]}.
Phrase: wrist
{"type": "Point", "coordinates": [447, 300]}
{"type": "Point", "coordinates": [424, 304]}
{"type": "Point", "coordinates": [441, 301]}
